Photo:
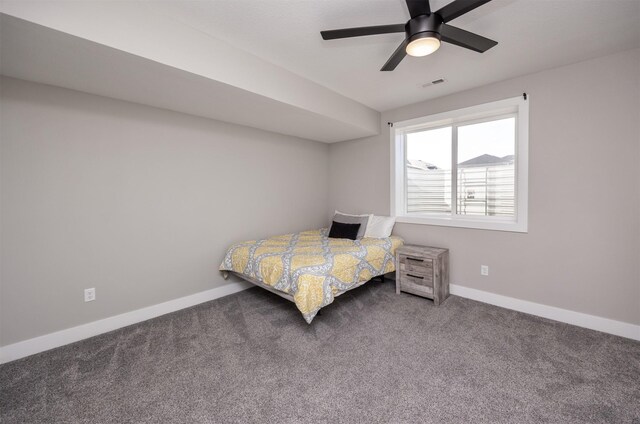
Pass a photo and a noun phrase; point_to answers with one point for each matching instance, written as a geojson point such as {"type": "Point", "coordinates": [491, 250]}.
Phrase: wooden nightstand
{"type": "Point", "coordinates": [423, 271]}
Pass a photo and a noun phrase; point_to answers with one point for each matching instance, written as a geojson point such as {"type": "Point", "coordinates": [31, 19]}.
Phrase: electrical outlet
{"type": "Point", "coordinates": [484, 269]}
{"type": "Point", "coordinates": [89, 294]}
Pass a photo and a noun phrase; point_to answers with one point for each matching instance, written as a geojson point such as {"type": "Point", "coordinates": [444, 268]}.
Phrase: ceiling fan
{"type": "Point", "coordinates": [424, 31]}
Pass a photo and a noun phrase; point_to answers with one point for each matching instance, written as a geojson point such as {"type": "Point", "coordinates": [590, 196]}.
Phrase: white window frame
{"type": "Point", "coordinates": [516, 106]}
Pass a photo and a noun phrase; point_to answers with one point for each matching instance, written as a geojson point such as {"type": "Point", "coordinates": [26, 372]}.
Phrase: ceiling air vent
{"type": "Point", "coordinates": [434, 82]}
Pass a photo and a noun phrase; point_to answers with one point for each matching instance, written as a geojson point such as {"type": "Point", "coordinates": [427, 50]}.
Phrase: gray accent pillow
{"type": "Point", "coordinates": [363, 220]}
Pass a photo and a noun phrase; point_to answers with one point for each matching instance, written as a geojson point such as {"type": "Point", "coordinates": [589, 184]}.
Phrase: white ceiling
{"type": "Point", "coordinates": [37, 53]}
{"type": "Point", "coordinates": [533, 35]}
{"type": "Point", "coordinates": [262, 63]}
{"type": "Point", "coordinates": [121, 50]}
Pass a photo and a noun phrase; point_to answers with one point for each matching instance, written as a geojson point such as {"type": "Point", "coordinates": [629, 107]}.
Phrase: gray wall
{"type": "Point", "coordinates": [138, 202]}
{"type": "Point", "coordinates": [582, 249]}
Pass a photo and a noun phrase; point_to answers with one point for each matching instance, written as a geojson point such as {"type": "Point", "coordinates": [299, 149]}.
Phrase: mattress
{"type": "Point", "coordinates": [311, 267]}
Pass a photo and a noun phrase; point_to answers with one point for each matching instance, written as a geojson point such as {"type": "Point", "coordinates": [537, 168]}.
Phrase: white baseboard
{"type": "Point", "coordinates": [70, 335]}
{"type": "Point", "coordinates": [579, 319]}
{"type": "Point", "coordinates": [60, 338]}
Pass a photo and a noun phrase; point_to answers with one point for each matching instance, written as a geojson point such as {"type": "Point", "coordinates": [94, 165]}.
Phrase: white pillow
{"type": "Point", "coordinates": [380, 226]}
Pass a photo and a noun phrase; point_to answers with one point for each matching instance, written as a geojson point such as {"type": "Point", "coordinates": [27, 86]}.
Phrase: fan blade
{"type": "Point", "coordinates": [396, 57]}
{"type": "Point", "coordinates": [465, 39]}
{"type": "Point", "coordinates": [361, 31]}
{"type": "Point", "coordinates": [458, 8]}
{"type": "Point", "coordinates": [418, 7]}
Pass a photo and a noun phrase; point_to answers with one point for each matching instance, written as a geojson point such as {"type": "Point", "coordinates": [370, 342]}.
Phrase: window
{"type": "Point", "coordinates": [464, 168]}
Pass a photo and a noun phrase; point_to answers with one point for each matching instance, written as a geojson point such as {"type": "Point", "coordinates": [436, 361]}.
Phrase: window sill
{"type": "Point", "coordinates": [478, 224]}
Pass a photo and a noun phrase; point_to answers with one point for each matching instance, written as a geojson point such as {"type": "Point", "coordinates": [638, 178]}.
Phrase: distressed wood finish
{"type": "Point", "coordinates": [423, 271]}
{"type": "Point", "coordinates": [411, 263]}
{"type": "Point", "coordinates": [420, 278]}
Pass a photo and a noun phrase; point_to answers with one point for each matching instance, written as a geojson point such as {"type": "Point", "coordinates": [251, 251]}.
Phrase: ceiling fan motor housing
{"type": "Point", "coordinates": [425, 31]}
{"type": "Point", "coordinates": [423, 26]}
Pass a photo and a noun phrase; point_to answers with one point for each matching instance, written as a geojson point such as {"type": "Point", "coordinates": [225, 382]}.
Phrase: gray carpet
{"type": "Point", "coordinates": [373, 356]}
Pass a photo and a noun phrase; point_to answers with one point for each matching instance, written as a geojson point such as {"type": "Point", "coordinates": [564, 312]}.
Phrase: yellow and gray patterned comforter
{"type": "Point", "coordinates": [312, 267]}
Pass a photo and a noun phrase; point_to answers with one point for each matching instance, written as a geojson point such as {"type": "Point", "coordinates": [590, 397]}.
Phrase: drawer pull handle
{"type": "Point", "coordinates": [415, 259]}
{"type": "Point", "coordinates": [415, 276]}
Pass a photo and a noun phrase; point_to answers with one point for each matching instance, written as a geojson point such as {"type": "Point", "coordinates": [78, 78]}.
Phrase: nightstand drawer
{"type": "Point", "coordinates": [421, 265]}
{"type": "Point", "coordinates": [417, 278]}
{"type": "Point", "coordinates": [409, 287]}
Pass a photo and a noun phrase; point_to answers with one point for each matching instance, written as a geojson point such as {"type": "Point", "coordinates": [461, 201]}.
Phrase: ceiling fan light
{"type": "Point", "coordinates": [424, 45]}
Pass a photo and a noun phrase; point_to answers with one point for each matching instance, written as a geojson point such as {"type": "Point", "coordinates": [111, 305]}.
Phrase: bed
{"type": "Point", "coordinates": [309, 268]}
